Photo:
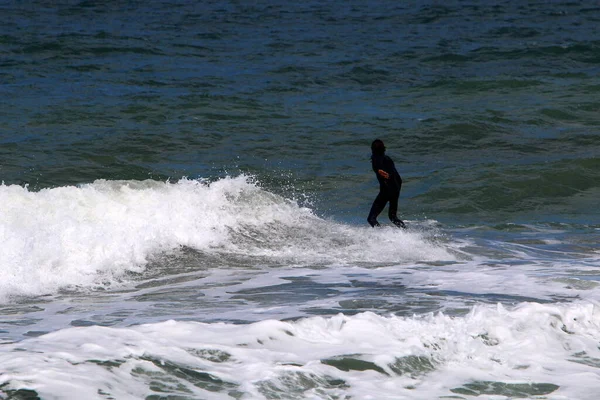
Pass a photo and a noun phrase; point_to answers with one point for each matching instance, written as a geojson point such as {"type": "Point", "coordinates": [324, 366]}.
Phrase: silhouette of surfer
{"type": "Point", "coordinates": [390, 184]}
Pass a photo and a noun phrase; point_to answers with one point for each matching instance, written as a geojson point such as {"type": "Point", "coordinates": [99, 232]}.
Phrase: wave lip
{"type": "Point", "coordinates": [82, 236]}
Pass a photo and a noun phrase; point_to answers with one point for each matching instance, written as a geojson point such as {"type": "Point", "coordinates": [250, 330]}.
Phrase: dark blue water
{"type": "Point", "coordinates": [467, 95]}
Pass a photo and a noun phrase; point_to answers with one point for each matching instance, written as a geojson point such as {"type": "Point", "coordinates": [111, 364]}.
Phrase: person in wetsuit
{"type": "Point", "coordinates": [390, 184]}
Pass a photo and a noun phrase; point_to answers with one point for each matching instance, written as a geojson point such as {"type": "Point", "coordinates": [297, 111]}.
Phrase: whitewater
{"type": "Point", "coordinates": [95, 234]}
{"type": "Point", "coordinates": [224, 289]}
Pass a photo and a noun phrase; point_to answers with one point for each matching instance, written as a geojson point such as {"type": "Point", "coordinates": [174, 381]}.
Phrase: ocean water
{"type": "Point", "coordinates": [185, 188]}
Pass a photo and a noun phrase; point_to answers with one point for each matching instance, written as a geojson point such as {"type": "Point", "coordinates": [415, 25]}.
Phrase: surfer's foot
{"type": "Point", "coordinates": [399, 223]}
{"type": "Point", "coordinates": [373, 223]}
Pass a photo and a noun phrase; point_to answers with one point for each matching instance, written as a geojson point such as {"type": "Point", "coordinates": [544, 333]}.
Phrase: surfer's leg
{"type": "Point", "coordinates": [376, 209]}
{"type": "Point", "coordinates": [394, 210]}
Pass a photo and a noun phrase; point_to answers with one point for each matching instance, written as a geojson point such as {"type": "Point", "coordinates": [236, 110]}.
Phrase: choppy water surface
{"type": "Point", "coordinates": [185, 191]}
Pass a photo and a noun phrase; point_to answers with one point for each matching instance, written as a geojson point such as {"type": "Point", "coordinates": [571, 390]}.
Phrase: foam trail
{"type": "Point", "coordinates": [95, 234]}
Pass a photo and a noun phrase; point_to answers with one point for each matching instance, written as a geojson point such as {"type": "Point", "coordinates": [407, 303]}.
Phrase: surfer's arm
{"type": "Point", "coordinates": [378, 164]}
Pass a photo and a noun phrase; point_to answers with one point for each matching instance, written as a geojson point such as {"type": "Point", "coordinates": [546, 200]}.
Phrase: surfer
{"type": "Point", "coordinates": [390, 184]}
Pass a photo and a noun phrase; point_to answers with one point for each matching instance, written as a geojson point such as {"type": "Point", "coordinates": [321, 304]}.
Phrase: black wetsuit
{"type": "Point", "coordinates": [389, 190]}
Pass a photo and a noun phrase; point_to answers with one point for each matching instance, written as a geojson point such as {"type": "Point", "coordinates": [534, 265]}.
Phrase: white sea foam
{"type": "Point", "coordinates": [96, 233]}
{"type": "Point", "coordinates": [529, 351]}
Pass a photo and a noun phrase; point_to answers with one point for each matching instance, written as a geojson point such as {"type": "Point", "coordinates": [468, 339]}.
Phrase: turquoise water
{"type": "Point", "coordinates": [207, 163]}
